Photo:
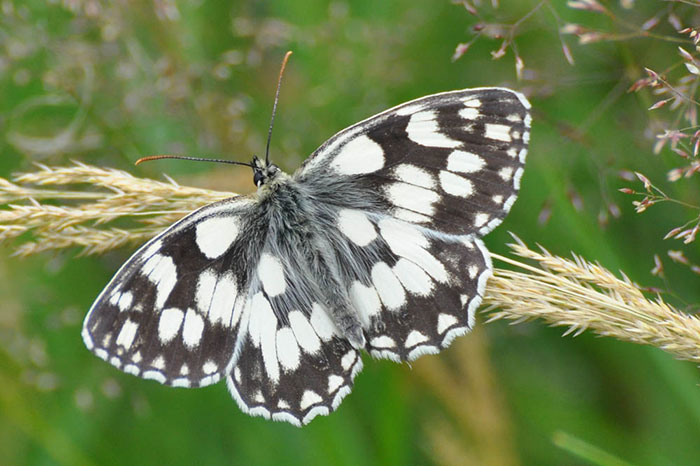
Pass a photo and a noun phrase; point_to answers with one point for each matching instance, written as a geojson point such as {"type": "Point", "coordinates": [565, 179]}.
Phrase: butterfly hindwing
{"type": "Point", "coordinates": [414, 289]}
{"type": "Point", "coordinates": [171, 312]}
{"type": "Point", "coordinates": [291, 368]}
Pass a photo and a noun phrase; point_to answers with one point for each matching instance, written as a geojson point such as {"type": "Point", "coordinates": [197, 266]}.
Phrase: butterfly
{"type": "Point", "coordinates": [373, 244]}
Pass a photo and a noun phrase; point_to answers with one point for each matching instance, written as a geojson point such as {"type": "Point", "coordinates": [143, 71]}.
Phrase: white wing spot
{"type": "Point", "coordinates": [125, 301]}
{"type": "Point", "coordinates": [497, 199]}
{"type": "Point", "coordinates": [413, 278]}
{"type": "Point", "coordinates": [205, 291]}
{"type": "Point", "coordinates": [455, 185]}
{"type": "Point", "coordinates": [271, 275]}
{"type": "Point", "coordinates": [161, 271]}
{"type": "Point", "coordinates": [366, 301]}
{"type": "Point", "coordinates": [304, 332]}
{"type": "Point", "coordinates": [413, 175]}
{"type": "Point", "coordinates": [516, 178]}
{"type": "Point", "coordinates": [321, 323]}
{"type": "Point", "coordinates": [127, 334]}
{"type": "Point", "coordinates": [210, 367]}
{"type": "Point", "coordinates": [158, 363]}
{"type": "Point", "coordinates": [309, 398]}
{"type": "Point", "coordinates": [214, 235]}
{"type": "Point", "coordinates": [423, 129]}
{"type": "Point", "coordinates": [257, 302]}
{"type": "Point", "coordinates": [132, 369]}
{"type": "Point", "coordinates": [497, 132]}
{"type": "Point", "coordinates": [268, 340]}
{"type": "Point", "coordinates": [193, 328]}
{"type": "Point", "coordinates": [509, 203]}
{"type": "Point", "coordinates": [287, 349]}
{"type": "Point", "coordinates": [388, 286]}
{"type": "Point", "coordinates": [480, 219]}
{"type": "Point", "coordinates": [469, 113]}
{"type": "Point", "coordinates": [334, 383]}
{"type": "Point", "coordinates": [383, 341]}
{"type": "Point", "coordinates": [412, 197]}
{"type": "Point", "coordinates": [414, 338]}
{"type": "Point", "coordinates": [445, 321]}
{"type": "Point", "coordinates": [472, 271]}
{"type": "Point", "coordinates": [359, 156]}
{"type": "Point", "coordinates": [506, 173]}
{"type": "Point", "coordinates": [154, 375]}
{"type": "Point", "coordinates": [223, 301]}
{"type": "Point", "coordinates": [348, 360]}
{"type": "Point", "coordinates": [169, 324]}
{"type": "Point", "coordinates": [184, 370]}
{"type": "Point", "coordinates": [281, 404]}
{"type": "Point", "coordinates": [465, 162]}
{"type": "Point", "coordinates": [410, 216]}
{"type": "Point", "coordinates": [407, 241]}
{"type": "Point", "coordinates": [356, 226]}
{"type": "Point", "coordinates": [471, 102]}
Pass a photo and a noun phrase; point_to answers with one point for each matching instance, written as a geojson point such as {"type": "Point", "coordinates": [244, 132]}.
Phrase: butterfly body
{"type": "Point", "coordinates": [373, 244]}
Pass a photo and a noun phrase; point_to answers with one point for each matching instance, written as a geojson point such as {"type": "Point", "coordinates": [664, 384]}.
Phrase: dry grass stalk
{"type": "Point", "coordinates": [574, 294]}
{"type": "Point", "coordinates": [584, 296]}
{"type": "Point", "coordinates": [57, 219]}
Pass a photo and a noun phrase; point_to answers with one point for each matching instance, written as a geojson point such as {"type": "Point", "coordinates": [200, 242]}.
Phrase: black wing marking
{"type": "Point", "coordinates": [451, 162]}
{"type": "Point", "coordinates": [291, 365]}
{"type": "Point", "coordinates": [172, 311]}
{"type": "Point", "coordinates": [414, 289]}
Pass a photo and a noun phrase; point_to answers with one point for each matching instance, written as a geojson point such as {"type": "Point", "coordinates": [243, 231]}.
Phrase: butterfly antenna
{"type": "Point", "coordinates": [274, 106]}
{"type": "Point", "coordinates": [182, 157]}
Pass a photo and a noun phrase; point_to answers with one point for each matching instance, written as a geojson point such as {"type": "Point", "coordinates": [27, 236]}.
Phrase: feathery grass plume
{"type": "Point", "coordinates": [118, 209]}
{"type": "Point", "coordinates": [575, 294]}
{"type": "Point", "coordinates": [584, 296]}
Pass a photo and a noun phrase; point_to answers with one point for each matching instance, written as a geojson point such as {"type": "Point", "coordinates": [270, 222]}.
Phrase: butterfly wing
{"type": "Point", "coordinates": [451, 162]}
{"type": "Point", "coordinates": [205, 299]}
{"type": "Point", "coordinates": [442, 170]}
{"type": "Point", "coordinates": [172, 312]}
{"type": "Point", "coordinates": [292, 366]}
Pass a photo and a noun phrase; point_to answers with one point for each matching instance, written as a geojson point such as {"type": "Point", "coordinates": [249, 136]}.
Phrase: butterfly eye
{"type": "Point", "coordinates": [257, 178]}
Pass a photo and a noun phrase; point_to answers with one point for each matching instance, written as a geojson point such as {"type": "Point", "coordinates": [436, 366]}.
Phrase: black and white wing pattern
{"type": "Point", "coordinates": [374, 243]}
{"type": "Point", "coordinates": [443, 170]}
{"type": "Point", "coordinates": [451, 162]}
{"type": "Point", "coordinates": [173, 310]}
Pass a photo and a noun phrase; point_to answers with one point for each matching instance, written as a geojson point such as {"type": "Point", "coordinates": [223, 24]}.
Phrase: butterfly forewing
{"type": "Point", "coordinates": [171, 312]}
{"type": "Point", "coordinates": [451, 162]}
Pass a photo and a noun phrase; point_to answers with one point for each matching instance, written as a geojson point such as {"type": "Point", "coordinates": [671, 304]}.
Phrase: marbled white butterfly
{"type": "Point", "coordinates": [374, 243]}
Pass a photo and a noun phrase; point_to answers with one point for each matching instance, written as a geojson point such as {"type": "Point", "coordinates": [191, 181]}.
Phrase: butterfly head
{"type": "Point", "coordinates": [263, 172]}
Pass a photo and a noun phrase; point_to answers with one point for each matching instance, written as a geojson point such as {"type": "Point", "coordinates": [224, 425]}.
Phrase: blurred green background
{"type": "Point", "coordinates": [107, 82]}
